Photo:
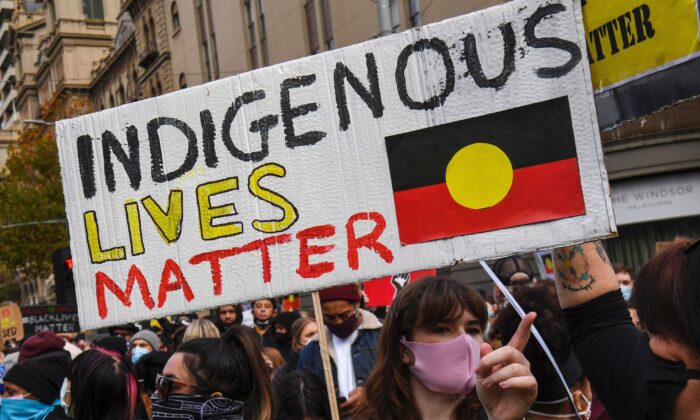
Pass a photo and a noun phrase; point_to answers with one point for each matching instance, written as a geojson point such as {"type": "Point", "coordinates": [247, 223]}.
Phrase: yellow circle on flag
{"type": "Point", "coordinates": [479, 176]}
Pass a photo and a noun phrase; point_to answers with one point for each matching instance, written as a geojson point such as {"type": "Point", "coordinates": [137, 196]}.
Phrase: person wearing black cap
{"type": "Point", "coordinates": [352, 336]}
{"type": "Point", "coordinates": [552, 400]}
{"type": "Point", "coordinates": [125, 331]}
{"type": "Point", "coordinates": [32, 387]}
{"type": "Point", "coordinates": [512, 271]}
{"type": "Point", "coordinates": [282, 325]}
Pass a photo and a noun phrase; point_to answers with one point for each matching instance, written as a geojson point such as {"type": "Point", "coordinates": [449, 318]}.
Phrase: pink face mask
{"type": "Point", "coordinates": [446, 367]}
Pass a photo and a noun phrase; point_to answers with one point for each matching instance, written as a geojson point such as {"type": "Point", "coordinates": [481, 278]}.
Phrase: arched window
{"type": "Point", "coordinates": [146, 34]}
{"type": "Point", "coordinates": [183, 81]}
{"type": "Point", "coordinates": [111, 101]}
{"type": "Point", "coordinates": [175, 16]}
{"type": "Point", "coordinates": [121, 99]}
{"type": "Point", "coordinates": [153, 31]}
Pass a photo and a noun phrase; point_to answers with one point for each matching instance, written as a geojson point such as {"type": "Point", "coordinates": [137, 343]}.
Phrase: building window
{"type": "Point", "coordinates": [92, 9]}
{"type": "Point", "coordinates": [146, 34]}
{"type": "Point", "coordinates": [121, 98]}
{"type": "Point", "coordinates": [328, 24]}
{"type": "Point", "coordinates": [212, 41]}
{"type": "Point", "coordinates": [310, 12]}
{"type": "Point", "coordinates": [252, 46]}
{"type": "Point", "coordinates": [32, 6]}
{"type": "Point", "coordinates": [152, 24]}
{"type": "Point", "coordinates": [111, 101]}
{"type": "Point", "coordinates": [183, 81]}
{"type": "Point", "coordinates": [414, 12]}
{"type": "Point", "coordinates": [204, 42]}
{"type": "Point", "coordinates": [175, 16]}
{"type": "Point", "coordinates": [263, 33]}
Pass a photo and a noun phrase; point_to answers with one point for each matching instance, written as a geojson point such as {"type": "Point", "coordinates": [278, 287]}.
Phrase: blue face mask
{"type": "Point", "coordinates": [626, 292]}
{"type": "Point", "coordinates": [137, 353]}
{"type": "Point", "coordinates": [11, 408]}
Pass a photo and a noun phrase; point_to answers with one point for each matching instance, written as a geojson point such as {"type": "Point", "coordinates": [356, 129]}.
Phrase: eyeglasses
{"type": "Point", "coordinates": [340, 317]}
{"type": "Point", "coordinates": [165, 384]}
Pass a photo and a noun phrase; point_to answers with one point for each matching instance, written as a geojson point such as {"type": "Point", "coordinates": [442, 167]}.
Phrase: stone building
{"type": "Point", "coordinates": [8, 76]}
{"type": "Point", "coordinates": [119, 51]}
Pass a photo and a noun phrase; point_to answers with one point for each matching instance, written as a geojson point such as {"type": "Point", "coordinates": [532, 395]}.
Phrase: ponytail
{"type": "Point", "coordinates": [260, 400]}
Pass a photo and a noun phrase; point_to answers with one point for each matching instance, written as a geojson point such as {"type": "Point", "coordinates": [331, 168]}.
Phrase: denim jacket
{"type": "Point", "coordinates": [364, 350]}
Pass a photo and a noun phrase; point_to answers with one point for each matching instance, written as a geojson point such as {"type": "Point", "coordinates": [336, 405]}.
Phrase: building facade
{"type": "Point", "coordinates": [119, 51]}
{"type": "Point", "coordinates": [8, 76]}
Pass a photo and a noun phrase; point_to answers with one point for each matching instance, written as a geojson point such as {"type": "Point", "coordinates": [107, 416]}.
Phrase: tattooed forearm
{"type": "Point", "coordinates": [601, 252]}
{"type": "Point", "coordinates": [573, 269]}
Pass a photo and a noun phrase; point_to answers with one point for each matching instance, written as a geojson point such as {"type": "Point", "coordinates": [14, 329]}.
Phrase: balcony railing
{"type": "Point", "coordinates": [148, 55]}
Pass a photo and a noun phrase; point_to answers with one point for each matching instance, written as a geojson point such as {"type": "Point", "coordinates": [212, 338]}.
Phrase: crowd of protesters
{"type": "Point", "coordinates": [627, 347]}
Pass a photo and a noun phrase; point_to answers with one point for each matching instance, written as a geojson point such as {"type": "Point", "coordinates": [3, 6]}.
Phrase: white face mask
{"type": "Point", "coordinates": [65, 390]}
{"type": "Point", "coordinates": [585, 415]}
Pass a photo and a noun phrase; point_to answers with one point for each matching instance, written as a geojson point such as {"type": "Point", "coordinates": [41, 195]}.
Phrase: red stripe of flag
{"type": "Point", "coordinates": [539, 193]}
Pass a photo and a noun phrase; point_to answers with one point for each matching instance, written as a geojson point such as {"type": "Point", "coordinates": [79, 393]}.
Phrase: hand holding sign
{"type": "Point", "coordinates": [504, 382]}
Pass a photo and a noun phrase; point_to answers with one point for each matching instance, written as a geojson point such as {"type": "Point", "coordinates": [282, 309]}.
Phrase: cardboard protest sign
{"type": "Point", "coordinates": [628, 39]}
{"type": "Point", "coordinates": [293, 177]}
{"type": "Point", "coordinates": [11, 327]}
{"type": "Point", "coordinates": [644, 56]}
{"type": "Point", "coordinates": [56, 318]}
{"type": "Point", "coordinates": [382, 291]}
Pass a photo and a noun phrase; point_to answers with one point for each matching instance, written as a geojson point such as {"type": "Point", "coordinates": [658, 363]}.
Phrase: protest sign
{"type": "Point", "coordinates": [643, 56]}
{"type": "Point", "coordinates": [11, 327]}
{"type": "Point", "coordinates": [297, 177]}
{"type": "Point", "coordinates": [545, 264]}
{"type": "Point", "coordinates": [628, 39]}
{"type": "Point", "coordinates": [56, 318]}
{"type": "Point", "coordinates": [382, 291]}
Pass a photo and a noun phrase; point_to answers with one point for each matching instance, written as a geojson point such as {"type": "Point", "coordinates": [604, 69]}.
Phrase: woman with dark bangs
{"type": "Point", "coordinates": [101, 385]}
{"type": "Point", "coordinates": [432, 362]}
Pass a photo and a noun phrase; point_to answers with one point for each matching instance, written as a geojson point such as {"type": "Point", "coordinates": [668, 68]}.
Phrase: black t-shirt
{"type": "Point", "coordinates": [631, 381]}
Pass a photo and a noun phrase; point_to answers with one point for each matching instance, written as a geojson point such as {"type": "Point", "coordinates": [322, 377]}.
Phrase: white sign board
{"type": "Point", "coordinates": [471, 138]}
{"type": "Point", "coordinates": [658, 198]}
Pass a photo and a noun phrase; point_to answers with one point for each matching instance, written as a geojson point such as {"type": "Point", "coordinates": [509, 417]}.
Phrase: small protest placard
{"type": "Point", "coordinates": [413, 151]}
{"type": "Point", "coordinates": [11, 327]}
{"type": "Point", "coordinates": [56, 318]}
{"type": "Point", "coordinates": [382, 291]}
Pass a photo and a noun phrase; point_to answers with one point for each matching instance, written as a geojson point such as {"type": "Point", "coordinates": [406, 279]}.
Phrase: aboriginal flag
{"type": "Point", "coordinates": [506, 169]}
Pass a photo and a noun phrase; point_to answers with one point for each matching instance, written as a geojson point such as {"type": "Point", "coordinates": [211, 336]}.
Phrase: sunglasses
{"type": "Point", "coordinates": [165, 384]}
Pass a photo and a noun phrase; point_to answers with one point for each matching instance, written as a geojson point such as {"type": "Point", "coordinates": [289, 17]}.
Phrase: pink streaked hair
{"type": "Point", "coordinates": [132, 390]}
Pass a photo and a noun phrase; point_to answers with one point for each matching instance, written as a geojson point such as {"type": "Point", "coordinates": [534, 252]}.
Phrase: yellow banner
{"type": "Point", "coordinates": [632, 38]}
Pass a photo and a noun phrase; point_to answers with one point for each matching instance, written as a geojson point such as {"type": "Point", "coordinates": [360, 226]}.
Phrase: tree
{"type": "Point", "coordinates": [31, 191]}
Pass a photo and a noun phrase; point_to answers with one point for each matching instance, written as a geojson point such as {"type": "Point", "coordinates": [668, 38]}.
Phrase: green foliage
{"type": "Point", "coordinates": [31, 191]}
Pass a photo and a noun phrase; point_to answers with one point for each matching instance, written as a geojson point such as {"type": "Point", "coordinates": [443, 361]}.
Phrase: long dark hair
{"type": "Point", "coordinates": [232, 365]}
{"type": "Point", "coordinates": [302, 394]}
{"type": "Point", "coordinates": [102, 386]}
{"type": "Point", "coordinates": [425, 303]}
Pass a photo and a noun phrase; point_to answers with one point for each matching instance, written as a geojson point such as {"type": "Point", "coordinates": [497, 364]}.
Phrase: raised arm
{"type": "Point", "coordinates": [583, 273]}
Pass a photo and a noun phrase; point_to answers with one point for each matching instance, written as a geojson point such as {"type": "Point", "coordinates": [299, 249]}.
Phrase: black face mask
{"type": "Point", "coordinates": [196, 407]}
{"type": "Point", "coordinates": [345, 328]}
{"type": "Point", "coordinates": [283, 339]}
